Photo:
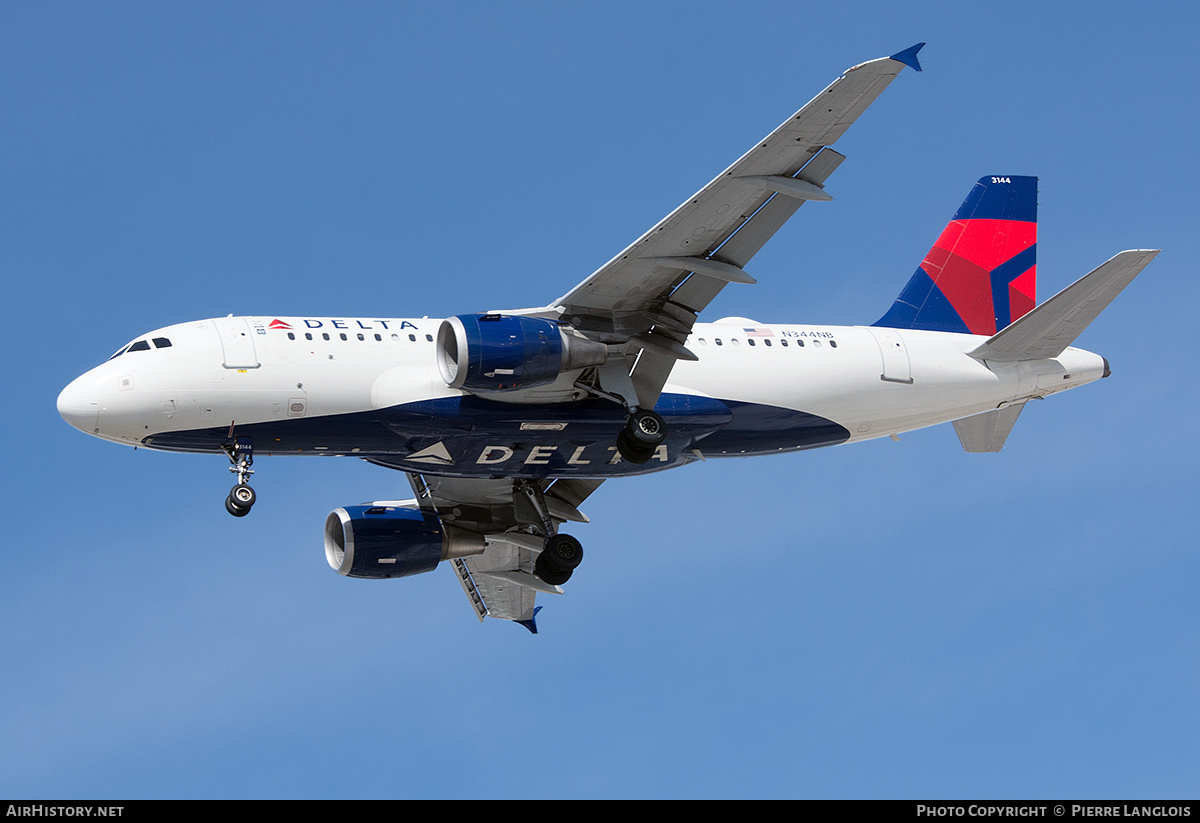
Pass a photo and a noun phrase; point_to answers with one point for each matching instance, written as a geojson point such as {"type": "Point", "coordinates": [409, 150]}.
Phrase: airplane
{"type": "Point", "coordinates": [506, 421]}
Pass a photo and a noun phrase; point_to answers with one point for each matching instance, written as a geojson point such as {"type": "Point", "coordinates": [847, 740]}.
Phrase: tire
{"type": "Point", "coordinates": [547, 574]}
{"type": "Point", "coordinates": [242, 496]}
{"type": "Point", "coordinates": [630, 451]}
{"type": "Point", "coordinates": [234, 509]}
{"type": "Point", "coordinates": [563, 553]}
{"type": "Point", "coordinates": [646, 429]}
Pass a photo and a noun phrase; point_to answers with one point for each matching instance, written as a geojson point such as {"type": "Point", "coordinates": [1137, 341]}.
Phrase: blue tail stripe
{"type": "Point", "coordinates": [1004, 274]}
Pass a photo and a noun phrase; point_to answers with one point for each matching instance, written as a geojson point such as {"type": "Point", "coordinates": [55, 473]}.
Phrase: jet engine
{"type": "Point", "coordinates": [379, 541]}
{"type": "Point", "coordinates": [500, 352]}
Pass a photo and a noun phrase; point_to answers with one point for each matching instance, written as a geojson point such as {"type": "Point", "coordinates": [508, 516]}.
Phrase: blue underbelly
{"type": "Point", "coordinates": [471, 436]}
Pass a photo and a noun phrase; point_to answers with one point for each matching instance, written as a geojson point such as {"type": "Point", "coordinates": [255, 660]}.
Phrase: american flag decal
{"type": "Point", "coordinates": [759, 332]}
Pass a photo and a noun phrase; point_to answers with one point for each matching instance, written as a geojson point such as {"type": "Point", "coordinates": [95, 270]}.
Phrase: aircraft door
{"type": "Point", "coordinates": [896, 366]}
{"type": "Point", "coordinates": [237, 342]}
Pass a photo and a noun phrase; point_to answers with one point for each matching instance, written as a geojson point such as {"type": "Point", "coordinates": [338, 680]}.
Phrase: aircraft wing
{"type": "Point", "coordinates": [650, 294]}
{"type": "Point", "coordinates": [500, 582]}
{"type": "Point", "coordinates": [647, 299]}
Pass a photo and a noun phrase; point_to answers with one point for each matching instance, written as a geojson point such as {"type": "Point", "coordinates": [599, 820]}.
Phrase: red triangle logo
{"type": "Point", "coordinates": [278, 324]}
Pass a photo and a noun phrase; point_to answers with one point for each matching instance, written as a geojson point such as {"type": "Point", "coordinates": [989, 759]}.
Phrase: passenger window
{"type": "Point", "coordinates": [378, 338]}
{"type": "Point", "coordinates": [766, 342]}
{"type": "Point", "coordinates": [429, 338]}
{"type": "Point", "coordinates": [342, 335]}
{"type": "Point", "coordinates": [735, 342]}
{"type": "Point", "coordinates": [833, 344]}
{"type": "Point", "coordinates": [412, 338]}
{"type": "Point", "coordinates": [395, 338]}
{"type": "Point", "coordinates": [750, 341]}
{"type": "Point", "coordinates": [291, 336]}
{"type": "Point", "coordinates": [718, 342]}
{"type": "Point", "coordinates": [325, 335]}
{"type": "Point", "coordinates": [308, 335]}
{"type": "Point", "coordinates": [783, 343]}
{"type": "Point", "coordinates": [360, 336]}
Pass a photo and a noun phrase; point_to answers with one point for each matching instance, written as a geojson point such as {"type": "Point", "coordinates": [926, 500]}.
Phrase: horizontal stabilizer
{"type": "Point", "coordinates": [1048, 329]}
{"type": "Point", "coordinates": [987, 432]}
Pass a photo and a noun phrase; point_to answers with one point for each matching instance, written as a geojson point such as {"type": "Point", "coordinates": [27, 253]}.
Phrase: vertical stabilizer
{"type": "Point", "coordinates": [981, 274]}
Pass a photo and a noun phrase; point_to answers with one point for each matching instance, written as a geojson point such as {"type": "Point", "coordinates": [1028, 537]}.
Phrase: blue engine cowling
{"type": "Point", "coordinates": [379, 542]}
{"type": "Point", "coordinates": [500, 352]}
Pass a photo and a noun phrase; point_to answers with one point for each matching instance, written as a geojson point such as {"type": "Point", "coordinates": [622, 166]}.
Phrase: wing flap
{"type": "Point", "coordinates": [493, 594]}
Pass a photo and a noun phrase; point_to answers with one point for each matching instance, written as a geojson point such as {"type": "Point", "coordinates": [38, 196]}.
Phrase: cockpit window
{"type": "Point", "coordinates": [142, 345]}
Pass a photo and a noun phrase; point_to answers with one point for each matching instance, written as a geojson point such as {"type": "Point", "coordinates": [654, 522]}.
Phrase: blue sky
{"type": "Point", "coordinates": [881, 620]}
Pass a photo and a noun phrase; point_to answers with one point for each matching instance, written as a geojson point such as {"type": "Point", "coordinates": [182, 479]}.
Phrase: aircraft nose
{"type": "Point", "coordinates": [79, 404]}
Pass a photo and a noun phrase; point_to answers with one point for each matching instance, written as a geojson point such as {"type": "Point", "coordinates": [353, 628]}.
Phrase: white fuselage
{"type": "Point", "coordinates": [322, 386]}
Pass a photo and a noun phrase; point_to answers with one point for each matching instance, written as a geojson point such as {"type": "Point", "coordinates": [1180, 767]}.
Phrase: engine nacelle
{"type": "Point", "coordinates": [380, 541]}
{"type": "Point", "coordinates": [500, 352]}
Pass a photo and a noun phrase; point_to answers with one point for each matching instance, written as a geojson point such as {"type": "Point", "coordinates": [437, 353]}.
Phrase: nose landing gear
{"type": "Point", "coordinates": [241, 497]}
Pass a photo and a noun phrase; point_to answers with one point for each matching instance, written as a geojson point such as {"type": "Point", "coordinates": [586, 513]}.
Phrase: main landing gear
{"type": "Point", "coordinates": [241, 497]}
{"type": "Point", "coordinates": [644, 432]}
{"type": "Point", "coordinates": [561, 554]}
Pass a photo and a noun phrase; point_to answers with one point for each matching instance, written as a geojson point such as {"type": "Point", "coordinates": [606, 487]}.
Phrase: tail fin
{"type": "Point", "coordinates": [980, 275]}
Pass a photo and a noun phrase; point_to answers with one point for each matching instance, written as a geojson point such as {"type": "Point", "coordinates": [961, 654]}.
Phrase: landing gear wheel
{"type": "Point", "coordinates": [560, 557]}
{"type": "Point", "coordinates": [548, 575]}
{"type": "Point", "coordinates": [242, 496]}
{"type": "Point", "coordinates": [234, 509]}
{"type": "Point", "coordinates": [646, 429]}
{"type": "Point", "coordinates": [563, 552]}
{"type": "Point", "coordinates": [642, 435]}
{"type": "Point", "coordinates": [630, 451]}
